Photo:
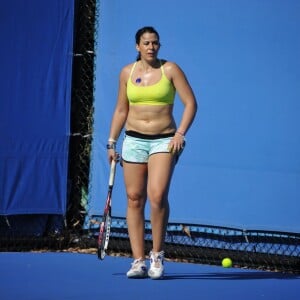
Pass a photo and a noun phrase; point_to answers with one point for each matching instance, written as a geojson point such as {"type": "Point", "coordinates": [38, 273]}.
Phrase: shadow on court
{"type": "Point", "coordinates": [224, 276]}
{"type": "Point", "coordinates": [231, 276]}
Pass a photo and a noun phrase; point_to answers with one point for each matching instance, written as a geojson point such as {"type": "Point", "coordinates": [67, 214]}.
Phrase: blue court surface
{"type": "Point", "coordinates": [63, 276]}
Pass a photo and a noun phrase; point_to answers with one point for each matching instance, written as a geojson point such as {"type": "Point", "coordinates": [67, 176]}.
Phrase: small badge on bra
{"type": "Point", "coordinates": [138, 80]}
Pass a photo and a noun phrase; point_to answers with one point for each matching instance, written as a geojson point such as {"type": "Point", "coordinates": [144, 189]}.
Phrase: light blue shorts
{"type": "Point", "coordinates": [138, 147]}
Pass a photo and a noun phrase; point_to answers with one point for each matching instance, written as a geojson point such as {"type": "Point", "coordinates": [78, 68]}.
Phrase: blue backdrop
{"type": "Point", "coordinates": [241, 166]}
{"type": "Point", "coordinates": [35, 84]}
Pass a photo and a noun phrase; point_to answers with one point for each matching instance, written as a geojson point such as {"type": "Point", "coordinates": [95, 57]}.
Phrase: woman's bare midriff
{"type": "Point", "coordinates": [151, 119]}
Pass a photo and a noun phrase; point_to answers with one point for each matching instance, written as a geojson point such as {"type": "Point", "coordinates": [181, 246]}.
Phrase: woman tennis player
{"type": "Point", "coordinates": [152, 143]}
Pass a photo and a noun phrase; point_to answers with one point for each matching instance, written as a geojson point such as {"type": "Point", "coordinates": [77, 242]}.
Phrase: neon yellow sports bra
{"type": "Point", "coordinates": [160, 93]}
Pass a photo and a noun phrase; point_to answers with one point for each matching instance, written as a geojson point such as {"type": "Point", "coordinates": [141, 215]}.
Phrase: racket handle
{"type": "Point", "coordinates": [112, 173]}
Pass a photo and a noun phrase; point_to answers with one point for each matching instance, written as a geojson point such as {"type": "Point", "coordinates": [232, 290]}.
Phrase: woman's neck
{"type": "Point", "coordinates": [147, 66]}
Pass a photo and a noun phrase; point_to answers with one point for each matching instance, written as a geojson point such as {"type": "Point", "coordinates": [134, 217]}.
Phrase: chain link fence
{"type": "Point", "coordinates": [82, 110]}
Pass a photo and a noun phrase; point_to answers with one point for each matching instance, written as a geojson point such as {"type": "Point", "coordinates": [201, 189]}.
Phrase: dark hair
{"type": "Point", "coordinates": [140, 32]}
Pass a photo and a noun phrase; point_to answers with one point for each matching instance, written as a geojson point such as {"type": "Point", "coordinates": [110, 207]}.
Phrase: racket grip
{"type": "Point", "coordinates": [112, 173]}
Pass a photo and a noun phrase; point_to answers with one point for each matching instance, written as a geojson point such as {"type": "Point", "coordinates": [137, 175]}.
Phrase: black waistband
{"type": "Point", "coordinates": [148, 136]}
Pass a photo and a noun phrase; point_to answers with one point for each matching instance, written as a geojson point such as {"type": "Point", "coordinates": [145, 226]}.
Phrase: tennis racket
{"type": "Point", "coordinates": [104, 231]}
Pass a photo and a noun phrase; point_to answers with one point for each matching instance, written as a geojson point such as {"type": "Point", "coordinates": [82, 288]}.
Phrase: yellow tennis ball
{"type": "Point", "coordinates": [227, 262]}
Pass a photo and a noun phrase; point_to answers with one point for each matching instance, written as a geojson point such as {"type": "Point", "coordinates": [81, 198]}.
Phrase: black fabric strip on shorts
{"type": "Point", "coordinates": [148, 136]}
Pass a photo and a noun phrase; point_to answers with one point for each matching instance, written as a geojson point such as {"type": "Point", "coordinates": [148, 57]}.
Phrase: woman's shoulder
{"type": "Point", "coordinates": [126, 70]}
{"type": "Point", "coordinates": [170, 67]}
{"type": "Point", "coordinates": [128, 67]}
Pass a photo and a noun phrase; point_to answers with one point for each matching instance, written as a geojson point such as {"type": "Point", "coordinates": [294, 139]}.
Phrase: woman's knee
{"type": "Point", "coordinates": [136, 200]}
{"type": "Point", "coordinates": [158, 200]}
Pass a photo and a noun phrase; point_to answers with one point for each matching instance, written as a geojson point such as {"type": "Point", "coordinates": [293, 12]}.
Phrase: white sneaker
{"type": "Point", "coordinates": [138, 269]}
{"type": "Point", "coordinates": [156, 270]}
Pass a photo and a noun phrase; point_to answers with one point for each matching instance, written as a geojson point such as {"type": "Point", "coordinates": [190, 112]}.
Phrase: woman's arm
{"type": "Point", "coordinates": [122, 107]}
{"type": "Point", "coordinates": [119, 116]}
{"type": "Point", "coordinates": [186, 95]}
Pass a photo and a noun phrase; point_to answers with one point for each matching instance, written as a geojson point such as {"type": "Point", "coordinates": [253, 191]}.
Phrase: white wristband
{"type": "Point", "coordinates": [112, 140]}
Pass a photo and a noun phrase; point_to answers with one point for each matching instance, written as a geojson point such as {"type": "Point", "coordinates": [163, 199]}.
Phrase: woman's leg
{"type": "Point", "coordinates": [135, 177]}
{"type": "Point", "coordinates": [160, 169]}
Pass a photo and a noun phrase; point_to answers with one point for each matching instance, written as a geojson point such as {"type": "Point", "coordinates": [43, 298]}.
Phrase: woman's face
{"type": "Point", "coordinates": [148, 46]}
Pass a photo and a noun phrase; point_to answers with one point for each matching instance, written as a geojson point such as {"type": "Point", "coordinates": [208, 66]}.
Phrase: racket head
{"type": "Point", "coordinates": [104, 235]}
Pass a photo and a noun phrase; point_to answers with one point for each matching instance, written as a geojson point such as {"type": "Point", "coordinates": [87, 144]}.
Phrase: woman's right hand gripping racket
{"type": "Point", "coordinates": [105, 225]}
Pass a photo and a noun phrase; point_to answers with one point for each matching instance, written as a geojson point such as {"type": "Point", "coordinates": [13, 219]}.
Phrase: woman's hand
{"type": "Point", "coordinates": [176, 143]}
{"type": "Point", "coordinates": [112, 154]}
